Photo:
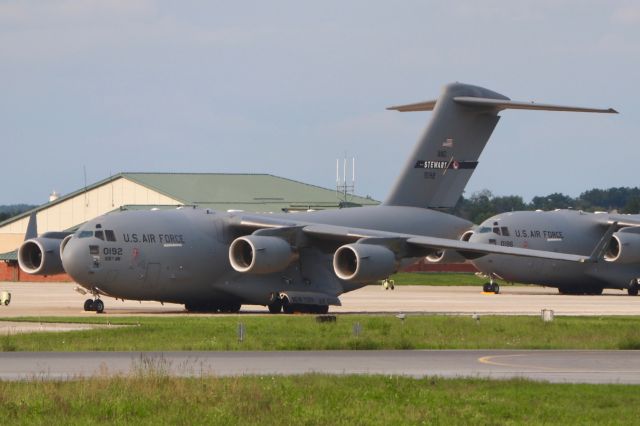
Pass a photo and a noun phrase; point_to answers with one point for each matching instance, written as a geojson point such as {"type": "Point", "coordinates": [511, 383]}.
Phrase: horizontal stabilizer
{"type": "Point", "coordinates": [499, 104]}
{"type": "Point", "coordinates": [508, 104]}
{"type": "Point", "coordinates": [420, 106]}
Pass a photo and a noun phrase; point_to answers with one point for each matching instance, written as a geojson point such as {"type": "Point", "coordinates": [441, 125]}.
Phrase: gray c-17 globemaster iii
{"type": "Point", "coordinates": [217, 261]}
{"type": "Point", "coordinates": [616, 238]}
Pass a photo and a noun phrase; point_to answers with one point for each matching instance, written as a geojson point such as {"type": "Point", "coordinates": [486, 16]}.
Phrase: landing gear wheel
{"type": "Point", "coordinates": [495, 288]}
{"type": "Point", "coordinates": [98, 306]}
{"type": "Point", "coordinates": [322, 309]}
{"type": "Point", "coordinates": [88, 305]}
{"type": "Point", "coordinates": [232, 308]}
{"type": "Point", "coordinates": [487, 287]}
{"type": "Point", "coordinates": [275, 307]}
{"type": "Point", "coordinates": [633, 288]}
{"type": "Point", "coordinates": [287, 308]}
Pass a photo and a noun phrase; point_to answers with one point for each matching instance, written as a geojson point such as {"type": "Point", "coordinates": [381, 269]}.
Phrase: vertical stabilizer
{"type": "Point", "coordinates": [446, 155]}
{"type": "Point", "coordinates": [32, 227]}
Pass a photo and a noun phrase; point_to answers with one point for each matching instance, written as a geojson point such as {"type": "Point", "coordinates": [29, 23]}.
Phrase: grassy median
{"type": "Point", "coordinates": [302, 332]}
{"type": "Point", "coordinates": [438, 278]}
{"type": "Point", "coordinates": [314, 399]}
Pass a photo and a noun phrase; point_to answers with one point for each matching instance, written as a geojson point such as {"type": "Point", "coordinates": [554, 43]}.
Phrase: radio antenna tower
{"type": "Point", "coordinates": [345, 189]}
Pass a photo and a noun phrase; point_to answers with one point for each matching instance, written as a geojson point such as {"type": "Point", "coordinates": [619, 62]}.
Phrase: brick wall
{"type": "Point", "coordinates": [11, 272]}
{"type": "Point", "coordinates": [423, 266]}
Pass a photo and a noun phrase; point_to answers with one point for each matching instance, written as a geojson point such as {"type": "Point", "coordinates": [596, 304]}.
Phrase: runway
{"type": "Point", "coordinates": [60, 299]}
{"type": "Point", "coordinates": [552, 366]}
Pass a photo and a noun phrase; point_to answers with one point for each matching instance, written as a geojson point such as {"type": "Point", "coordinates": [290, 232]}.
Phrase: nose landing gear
{"type": "Point", "coordinates": [96, 305]}
{"type": "Point", "coordinates": [491, 286]}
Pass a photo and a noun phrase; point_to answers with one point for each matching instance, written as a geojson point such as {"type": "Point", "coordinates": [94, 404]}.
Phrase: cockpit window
{"type": "Point", "coordinates": [496, 230]}
{"type": "Point", "coordinates": [85, 234]}
{"type": "Point", "coordinates": [111, 236]}
{"type": "Point", "coordinates": [484, 230]}
{"type": "Point", "coordinates": [100, 235]}
{"type": "Point", "coordinates": [505, 231]}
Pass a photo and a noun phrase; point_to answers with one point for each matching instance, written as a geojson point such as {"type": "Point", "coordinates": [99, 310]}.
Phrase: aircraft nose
{"type": "Point", "coordinates": [74, 258]}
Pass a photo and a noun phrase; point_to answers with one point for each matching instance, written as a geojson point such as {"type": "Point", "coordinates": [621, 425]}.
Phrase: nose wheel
{"type": "Point", "coordinates": [491, 286]}
{"type": "Point", "coordinates": [94, 305]}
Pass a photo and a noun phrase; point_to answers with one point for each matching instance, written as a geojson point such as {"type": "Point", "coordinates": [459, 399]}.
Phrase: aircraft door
{"type": "Point", "coordinates": [152, 275]}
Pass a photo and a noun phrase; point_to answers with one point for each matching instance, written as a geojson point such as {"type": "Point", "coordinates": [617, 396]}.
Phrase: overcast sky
{"type": "Point", "coordinates": [286, 87]}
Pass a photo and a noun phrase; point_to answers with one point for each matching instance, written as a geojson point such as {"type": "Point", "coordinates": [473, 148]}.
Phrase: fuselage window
{"type": "Point", "coordinates": [100, 235]}
{"type": "Point", "coordinates": [111, 236]}
{"type": "Point", "coordinates": [505, 231]}
{"type": "Point", "coordinates": [496, 230]}
{"type": "Point", "coordinates": [85, 234]}
{"type": "Point", "coordinates": [484, 230]}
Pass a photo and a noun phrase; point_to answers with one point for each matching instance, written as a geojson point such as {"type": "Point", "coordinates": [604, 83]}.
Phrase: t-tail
{"type": "Point", "coordinates": [446, 155]}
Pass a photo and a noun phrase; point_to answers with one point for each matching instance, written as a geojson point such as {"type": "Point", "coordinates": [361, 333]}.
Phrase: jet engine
{"type": "Point", "coordinates": [40, 256]}
{"type": "Point", "coordinates": [256, 254]}
{"type": "Point", "coordinates": [364, 262]}
{"type": "Point", "coordinates": [624, 247]}
{"type": "Point", "coordinates": [449, 256]}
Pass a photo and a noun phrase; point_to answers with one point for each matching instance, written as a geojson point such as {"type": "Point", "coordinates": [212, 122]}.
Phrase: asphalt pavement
{"type": "Point", "coordinates": [552, 366]}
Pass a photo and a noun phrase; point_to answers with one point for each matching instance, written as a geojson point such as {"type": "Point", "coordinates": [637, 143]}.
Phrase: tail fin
{"type": "Point", "coordinates": [446, 155]}
{"type": "Point", "coordinates": [32, 227]}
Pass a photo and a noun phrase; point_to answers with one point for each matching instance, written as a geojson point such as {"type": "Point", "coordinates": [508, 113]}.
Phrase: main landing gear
{"type": "Point", "coordinates": [634, 286]}
{"type": "Point", "coordinates": [228, 308]}
{"type": "Point", "coordinates": [282, 305]}
{"type": "Point", "coordinates": [96, 305]}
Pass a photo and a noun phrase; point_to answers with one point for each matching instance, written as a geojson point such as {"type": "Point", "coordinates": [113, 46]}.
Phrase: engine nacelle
{"type": "Point", "coordinates": [364, 262]}
{"type": "Point", "coordinates": [256, 254]}
{"type": "Point", "coordinates": [449, 256]}
{"type": "Point", "coordinates": [446, 256]}
{"type": "Point", "coordinates": [40, 256]}
{"type": "Point", "coordinates": [624, 247]}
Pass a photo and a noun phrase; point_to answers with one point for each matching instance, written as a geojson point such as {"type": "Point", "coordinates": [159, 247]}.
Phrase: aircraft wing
{"type": "Point", "coordinates": [466, 249]}
{"type": "Point", "coordinates": [623, 220]}
{"type": "Point", "coordinates": [405, 245]}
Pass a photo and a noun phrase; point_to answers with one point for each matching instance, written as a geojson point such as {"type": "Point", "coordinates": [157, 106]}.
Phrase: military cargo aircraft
{"type": "Point", "coordinates": [616, 236]}
{"type": "Point", "coordinates": [217, 261]}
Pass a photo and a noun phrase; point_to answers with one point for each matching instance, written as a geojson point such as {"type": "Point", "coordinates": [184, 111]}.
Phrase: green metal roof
{"type": "Point", "coordinates": [9, 256]}
{"type": "Point", "coordinates": [228, 190]}
{"type": "Point", "coordinates": [224, 191]}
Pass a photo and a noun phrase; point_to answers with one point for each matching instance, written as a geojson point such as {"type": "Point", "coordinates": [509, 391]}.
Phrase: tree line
{"type": "Point", "coordinates": [483, 204]}
{"type": "Point", "coordinates": [9, 211]}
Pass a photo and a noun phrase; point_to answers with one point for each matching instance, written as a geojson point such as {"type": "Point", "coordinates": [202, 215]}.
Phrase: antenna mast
{"type": "Point", "coordinates": [345, 189]}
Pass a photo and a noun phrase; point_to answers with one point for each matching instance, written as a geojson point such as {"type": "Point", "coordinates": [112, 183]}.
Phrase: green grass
{"type": "Point", "coordinates": [314, 399]}
{"type": "Point", "coordinates": [437, 279]}
{"type": "Point", "coordinates": [301, 332]}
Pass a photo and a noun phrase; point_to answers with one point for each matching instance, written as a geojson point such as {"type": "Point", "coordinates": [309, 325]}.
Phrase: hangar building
{"type": "Point", "coordinates": [220, 191]}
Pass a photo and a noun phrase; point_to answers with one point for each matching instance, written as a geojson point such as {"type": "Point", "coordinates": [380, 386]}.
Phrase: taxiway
{"type": "Point", "coordinates": [551, 366]}
{"type": "Point", "coordinates": [60, 299]}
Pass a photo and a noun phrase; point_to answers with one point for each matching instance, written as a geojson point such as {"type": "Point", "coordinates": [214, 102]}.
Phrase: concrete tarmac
{"type": "Point", "coordinates": [60, 299]}
{"type": "Point", "coordinates": [552, 366]}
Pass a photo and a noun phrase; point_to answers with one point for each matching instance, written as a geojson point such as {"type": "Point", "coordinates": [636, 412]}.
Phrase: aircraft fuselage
{"type": "Point", "coordinates": [564, 231]}
{"type": "Point", "coordinates": [182, 255]}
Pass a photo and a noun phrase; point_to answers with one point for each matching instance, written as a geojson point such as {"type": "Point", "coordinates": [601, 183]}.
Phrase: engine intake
{"type": "Point", "coordinates": [364, 262]}
{"type": "Point", "coordinates": [624, 247]}
{"type": "Point", "coordinates": [256, 254]}
{"type": "Point", "coordinates": [40, 256]}
{"type": "Point", "coordinates": [449, 256]}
